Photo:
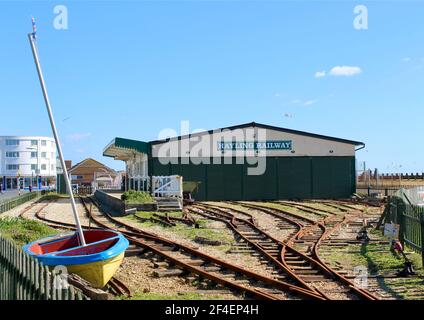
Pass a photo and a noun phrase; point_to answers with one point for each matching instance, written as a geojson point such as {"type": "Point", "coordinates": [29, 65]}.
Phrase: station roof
{"type": "Point", "coordinates": [122, 149]}
{"type": "Point", "coordinates": [264, 126]}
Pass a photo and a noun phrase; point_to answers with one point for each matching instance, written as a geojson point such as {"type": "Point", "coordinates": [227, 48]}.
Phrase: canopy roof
{"type": "Point", "coordinates": [123, 149]}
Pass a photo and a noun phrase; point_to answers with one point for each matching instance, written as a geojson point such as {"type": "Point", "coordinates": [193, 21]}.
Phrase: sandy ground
{"type": "Point", "coordinates": [61, 210]}
{"type": "Point", "coordinates": [136, 273]}
{"type": "Point", "coordinates": [16, 211]}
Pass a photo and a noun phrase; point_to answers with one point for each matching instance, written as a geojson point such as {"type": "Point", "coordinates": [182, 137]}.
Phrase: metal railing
{"type": "Point", "coordinates": [24, 278]}
{"type": "Point", "coordinates": [158, 186]}
{"type": "Point", "coordinates": [11, 203]}
{"type": "Point", "coordinates": [167, 186]}
{"type": "Point", "coordinates": [410, 219]}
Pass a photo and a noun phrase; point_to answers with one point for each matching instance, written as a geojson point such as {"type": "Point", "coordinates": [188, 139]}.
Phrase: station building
{"type": "Point", "coordinates": [251, 161]}
{"type": "Point", "coordinates": [27, 161]}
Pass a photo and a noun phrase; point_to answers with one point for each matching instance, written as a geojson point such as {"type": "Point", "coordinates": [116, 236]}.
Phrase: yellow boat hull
{"type": "Point", "coordinates": [98, 273]}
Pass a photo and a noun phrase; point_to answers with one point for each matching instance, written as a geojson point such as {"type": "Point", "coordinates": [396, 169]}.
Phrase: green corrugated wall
{"type": "Point", "coordinates": [284, 178]}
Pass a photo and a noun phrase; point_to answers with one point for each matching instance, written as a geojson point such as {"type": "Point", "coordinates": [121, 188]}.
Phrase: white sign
{"type": "Point", "coordinates": [391, 230]}
{"type": "Point", "coordinates": [421, 198]}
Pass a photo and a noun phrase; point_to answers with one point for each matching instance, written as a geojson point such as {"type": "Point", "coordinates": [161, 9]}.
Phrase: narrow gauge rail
{"type": "Point", "coordinates": [118, 288]}
{"type": "Point", "coordinates": [206, 266]}
{"type": "Point", "coordinates": [340, 206]}
{"type": "Point", "coordinates": [275, 285]}
{"type": "Point", "coordinates": [269, 247]}
{"type": "Point", "coordinates": [308, 208]}
{"type": "Point", "coordinates": [32, 206]}
{"type": "Point", "coordinates": [332, 241]}
{"type": "Point", "coordinates": [115, 286]}
{"type": "Point", "coordinates": [307, 240]}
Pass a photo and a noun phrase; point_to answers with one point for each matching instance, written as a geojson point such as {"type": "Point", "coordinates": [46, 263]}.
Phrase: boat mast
{"type": "Point", "coordinates": [32, 41]}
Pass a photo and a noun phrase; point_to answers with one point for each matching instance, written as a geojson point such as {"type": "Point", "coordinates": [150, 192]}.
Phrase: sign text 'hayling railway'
{"type": "Point", "coordinates": [256, 145]}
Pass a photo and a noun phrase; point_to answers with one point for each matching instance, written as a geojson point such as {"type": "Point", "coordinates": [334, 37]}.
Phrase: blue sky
{"type": "Point", "coordinates": [131, 69]}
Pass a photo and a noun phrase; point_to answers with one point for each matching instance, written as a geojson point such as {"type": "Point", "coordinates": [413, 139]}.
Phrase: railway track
{"type": "Point", "coordinates": [269, 247]}
{"type": "Point", "coordinates": [299, 254]}
{"type": "Point", "coordinates": [206, 266]}
{"type": "Point", "coordinates": [118, 288]}
{"type": "Point", "coordinates": [309, 208]}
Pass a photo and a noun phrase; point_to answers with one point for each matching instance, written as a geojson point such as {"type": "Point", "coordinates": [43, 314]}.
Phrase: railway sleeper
{"type": "Point", "coordinates": [161, 264]}
{"type": "Point", "coordinates": [168, 273]}
{"type": "Point", "coordinates": [193, 262]}
{"type": "Point", "coordinates": [313, 278]}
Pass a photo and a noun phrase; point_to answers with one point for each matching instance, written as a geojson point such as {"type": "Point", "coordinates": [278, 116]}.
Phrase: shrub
{"type": "Point", "coordinates": [135, 197]}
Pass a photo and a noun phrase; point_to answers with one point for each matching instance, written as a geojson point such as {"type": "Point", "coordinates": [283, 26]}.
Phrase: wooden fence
{"type": "Point", "coordinates": [411, 222]}
{"type": "Point", "coordinates": [9, 204]}
{"type": "Point", "coordinates": [24, 278]}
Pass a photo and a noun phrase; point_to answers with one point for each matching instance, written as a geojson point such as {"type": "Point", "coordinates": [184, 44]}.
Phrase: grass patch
{"type": "Point", "coordinates": [22, 231]}
{"type": "Point", "coordinates": [53, 196]}
{"type": "Point", "coordinates": [204, 232]}
{"type": "Point", "coordinates": [380, 260]}
{"type": "Point", "coordinates": [142, 224]}
{"type": "Point", "coordinates": [176, 296]}
{"type": "Point", "coordinates": [137, 197]}
{"type": "Point", "coordinates": [322, 206]}
{"type": "Point", "coordinates": [149, 214]}
{"type": "Point", "coordinates": [188, 232]}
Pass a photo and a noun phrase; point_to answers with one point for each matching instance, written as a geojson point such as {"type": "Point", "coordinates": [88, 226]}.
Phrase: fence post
{"type": "Point", "coordinates": [401, 208]}
{"type": "Point", "coordinates": [422, 237]}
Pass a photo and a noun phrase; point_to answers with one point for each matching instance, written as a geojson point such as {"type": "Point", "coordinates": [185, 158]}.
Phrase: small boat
{"type": "Point", "coordinates": [95, 262]}
{"type": "Point", "coordinates": [94, 255]}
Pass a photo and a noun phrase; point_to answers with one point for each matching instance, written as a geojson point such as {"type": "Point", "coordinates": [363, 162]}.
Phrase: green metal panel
{"type": "Point", "coordinates": [261, 187]}
{"type": "Point", "coordinates": [196, 173]}
{"type": "Point", "coordinates": [284, 178]}
{"type": "Point", "coordinates": [215, 189]}
{"type": "Point", "coordinates": [321, 177]}
{"type": "Point", "coordinates": [341, 173]}
{"type": "Point", "coordinates": [294, 178]}
{"type": "Point", "coordinates": [159, 169]}
{"type": "Point", "coordinates": [233, 177]}
{"type": "Point", "coordinates": [333, 177]}
{"type": "Point", "coordinates": [60, 184]}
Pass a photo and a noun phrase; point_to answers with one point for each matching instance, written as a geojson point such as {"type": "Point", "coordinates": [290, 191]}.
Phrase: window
{"type": "Point", "coordinates": [34, 154]}
{"type": "Point", "coordinates": [12, 154]}
{"type": "Point", "coordinates": [52, 167]}
{"type": "Point", "coordinates": [44, 167]}
{"type": "Point", "coordinates": [43, 154]}
{"type": "Point", "coordinates": [52, 157]}
{"type": "Point", "coordinates": [34, 167]}
{"type": "Point", "coordinates": [12, 142]}
{"type": "Point", "coordinates": [43, 143]}
{"type": "Point", "coordinates": [34, 142]}
{"type": "Point", "coordinates": [13, 167]}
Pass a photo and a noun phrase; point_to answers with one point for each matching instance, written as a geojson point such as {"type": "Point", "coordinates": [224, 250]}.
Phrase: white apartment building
{"type": "Point", "coordinates": [27, 161]}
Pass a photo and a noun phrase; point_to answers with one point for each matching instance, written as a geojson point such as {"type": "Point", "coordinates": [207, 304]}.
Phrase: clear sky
{"type": "Point", "coordinates": [131, 69]}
